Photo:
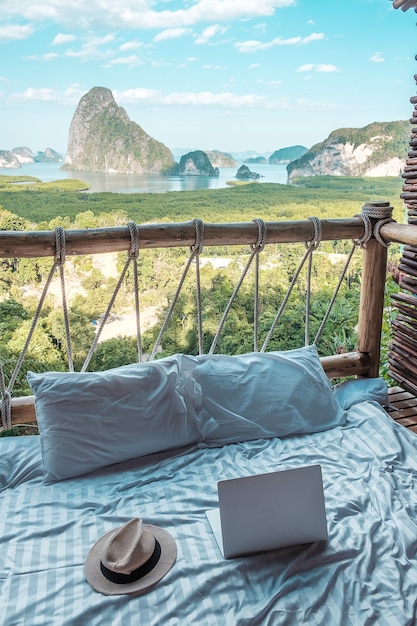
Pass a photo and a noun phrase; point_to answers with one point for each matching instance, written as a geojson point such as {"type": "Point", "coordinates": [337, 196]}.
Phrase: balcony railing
{"type": "Point", "coordinates": [371, 232]}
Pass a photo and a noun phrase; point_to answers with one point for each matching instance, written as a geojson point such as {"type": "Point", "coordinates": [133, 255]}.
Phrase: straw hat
{"type": "Point", "coordinates": [130, 559]}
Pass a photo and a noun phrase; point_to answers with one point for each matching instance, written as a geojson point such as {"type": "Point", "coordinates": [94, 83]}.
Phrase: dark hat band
{"type": "Point", "coordinates": [140, 572]}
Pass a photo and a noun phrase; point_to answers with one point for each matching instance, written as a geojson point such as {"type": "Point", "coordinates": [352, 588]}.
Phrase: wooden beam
{"type": "Point", "coordinates": [399, 233]}
{"type": "Point", "coordinates": [33, 244]}
{"type": "Point", "coordinates": [372, 303]}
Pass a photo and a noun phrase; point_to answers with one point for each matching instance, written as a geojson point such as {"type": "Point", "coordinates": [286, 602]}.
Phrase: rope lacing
{"type": "Point", "coordinates": [357, 243]}
{"type": "Point", "coordinates": [5, 402]}
{"type": "Point", "coordinates": [59, 260]}
{"type": "Point", "coordinates": [132, 256]}
{"type": "Point", "coordinates": [381, 212]}
{"type": "Point", "coordinates": [311, 246]}
{"type": "Point", "coordinates": [195, 252]}
{"type": "Point", "coordinates": [256, 249]}
{"type": "Point", "coordinates": [60, 257]}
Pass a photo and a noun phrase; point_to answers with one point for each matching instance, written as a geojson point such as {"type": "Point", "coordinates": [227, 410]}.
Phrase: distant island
{"type": "Point", "coordinates": [13, 159]}
{"type": "Point", "coordinates": [102, 138]}
{"type": "Point", "coordinates": [379, 149]}
{"type": "Point", "coordinates": [286, 155]}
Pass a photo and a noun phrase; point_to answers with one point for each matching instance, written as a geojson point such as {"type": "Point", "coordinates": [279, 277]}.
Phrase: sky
{"type": "Point", "coordinates": [229, 75]}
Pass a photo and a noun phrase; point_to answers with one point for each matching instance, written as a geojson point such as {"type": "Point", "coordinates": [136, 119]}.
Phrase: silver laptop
{"type": "Point", "coordinates": [269, 511]}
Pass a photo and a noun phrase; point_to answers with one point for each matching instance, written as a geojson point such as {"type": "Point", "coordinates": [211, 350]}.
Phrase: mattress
{"type": "Point", "coordinates": [366, 572]}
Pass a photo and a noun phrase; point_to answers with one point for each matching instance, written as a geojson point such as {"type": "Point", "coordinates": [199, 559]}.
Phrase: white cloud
{"type": "Point", "coordinates": [10, 32]}
{"type": "Point", "coordinates": [130, 45]}
{"type": "Point", "coordinates": [320, 67]}
{"type": "Point", "coordinates": [377, 58]}
{"type": "Point", "coordinates": [130, 61]}
{"type": "Point", "coordinates": [209, 32]}
{"type": "Point", "coordinates": [61, 38]}
{"type": "Point", "coordinates": [303, 103]}
{"type": "Point", "coordinates": [254, 45]}
{"type": "Point", "coordinates": [36, 95]}
{"type": "Point", "coordinates": [70, 96]}
{"type": "Point", "coordinates": [210, 66]}
{"type": "Point", "coordinates": [91, 49]}
{"type": "Point", "coordinates": [45, 57]}
{"type": "Point", "coordinates": [172, 33]}
{"type": "Point", "coordinates": [133, 96]}
{"type": "Point", "coordinates": [138, 14]}
{"type": "Point", "coordinates": [203, 98]}
{"type": "Point", "coordinates": [207, 98]}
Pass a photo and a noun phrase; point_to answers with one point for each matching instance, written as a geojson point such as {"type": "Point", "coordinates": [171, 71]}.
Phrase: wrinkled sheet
{"type": "Point", "coordinates": [366, 573]}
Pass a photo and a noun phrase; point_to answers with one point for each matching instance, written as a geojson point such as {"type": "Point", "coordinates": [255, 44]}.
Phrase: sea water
{"type": "Point", "coordinates": [147, 183]}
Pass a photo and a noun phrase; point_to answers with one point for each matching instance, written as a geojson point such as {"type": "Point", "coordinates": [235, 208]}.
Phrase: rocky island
{"type": "Point", "coordinates": [195, 163]}
{"type": "Point", "coordinates": [13, 159]}
{"type": "Point", "coordinates": [286, 155]}
{"type": "Point", "coordinates": [102, 138]}
{"type": "Point", "coordinates": [244, 173]}
{"type": "Point", "coordinates": [379, 149]}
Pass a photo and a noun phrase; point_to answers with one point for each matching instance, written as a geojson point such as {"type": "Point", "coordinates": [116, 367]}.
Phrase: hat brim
{"type": "Point", "coordinates": [100, 583]}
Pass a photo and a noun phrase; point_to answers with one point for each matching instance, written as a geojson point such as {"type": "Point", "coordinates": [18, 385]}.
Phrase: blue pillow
{"type": "Point", "coordinates": [261, 395]}
{"type": "Point", "coordinates": [93, 419]}
{"type": "Point", "coordinates": [358, 390]}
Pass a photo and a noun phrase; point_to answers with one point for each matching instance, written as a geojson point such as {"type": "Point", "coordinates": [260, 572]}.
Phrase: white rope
{"type": "Point", "coordinates": [195, 251]}
{"type": "Point", "coordinates": [377, 229]}
{"type": "Point", "coordinates": [5, 402]}
{"type": "Point", "coordinates": [361, 242]}
{"type": "Point", "coordinates": [367, 233]}
{"type": "Point", "coordinates": [310, 247]}
{"type": "Point", "coordinates": [255, 251]}
{"type": "Point", "coordinates": [60, 257]}
{"type": "Point", "coordinates": [132, 255]}
{"type": "Point", "coordinates": [259, 246]}
{"type": "Point", "coordinates": [314, 244]}
{"type": "Point", "coordinates": [59, 260]}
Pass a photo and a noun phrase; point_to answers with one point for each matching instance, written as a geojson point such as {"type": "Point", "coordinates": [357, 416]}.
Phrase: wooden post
{"type": "Point", "coordinates": [373, 290]}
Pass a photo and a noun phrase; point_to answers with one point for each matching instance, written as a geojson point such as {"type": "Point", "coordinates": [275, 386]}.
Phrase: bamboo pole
{"type": "Point", "coordinates": [372, 297]}
{"type": "Point", "coordinates": [33, 244]}
{"type": "Point", "coordinates": [399, 233]}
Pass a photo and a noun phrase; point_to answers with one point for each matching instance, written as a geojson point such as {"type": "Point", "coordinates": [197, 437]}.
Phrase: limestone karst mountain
{"type": "Point", "coordinates": [379, 149]}
{"type": "Point", "coordinates": [286, 155]}
{"type": "Point", "coordinates": [195, 163]}
{"type": "Point", "coordinates": [102, 138]}
{"type": "Point", "coordinates": [220, 159]}
{"type": "Point", "coordinates": [23, 154]}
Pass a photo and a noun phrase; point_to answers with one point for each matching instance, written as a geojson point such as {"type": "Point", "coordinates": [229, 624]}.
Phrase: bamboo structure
{"type": "Point", "coordinates": [404, 5]}
{"type": "Point", "coordinates": [403, 349]}
{"type": "Point", "coordinates": [362, 362]}
{"type": "Point", "coordinates": [37, 244]}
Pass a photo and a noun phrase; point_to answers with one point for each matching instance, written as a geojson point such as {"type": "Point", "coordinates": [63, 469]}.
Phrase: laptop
{"type": "Point", "coordinates": [269, 511]}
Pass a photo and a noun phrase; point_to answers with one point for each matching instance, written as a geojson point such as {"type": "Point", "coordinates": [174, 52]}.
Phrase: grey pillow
{"type": "Point", "coordinates": [357, 390]}
{"type": "Point", "coordinates": [261, 395]}
{"type": "Point", "coordinates": [93, 419]}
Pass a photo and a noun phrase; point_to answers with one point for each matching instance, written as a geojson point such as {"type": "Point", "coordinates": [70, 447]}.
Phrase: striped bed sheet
{"type": "Point", "coordinates": [366, 573]}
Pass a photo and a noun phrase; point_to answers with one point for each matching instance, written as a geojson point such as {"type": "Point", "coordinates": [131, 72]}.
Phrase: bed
{"type": "Point", "coordinates": [54, 506]}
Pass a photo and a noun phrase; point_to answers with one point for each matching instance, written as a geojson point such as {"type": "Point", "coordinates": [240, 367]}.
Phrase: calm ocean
{"type": "Point", "coordinates": [141, 183]}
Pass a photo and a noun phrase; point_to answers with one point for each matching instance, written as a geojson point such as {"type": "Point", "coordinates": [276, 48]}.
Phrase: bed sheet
{"type": "Point", "coordinates": [366, 573]}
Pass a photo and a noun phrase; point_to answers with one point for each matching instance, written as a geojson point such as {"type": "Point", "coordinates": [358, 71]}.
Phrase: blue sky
{"type": "Point", "coordinates": [231, 75]}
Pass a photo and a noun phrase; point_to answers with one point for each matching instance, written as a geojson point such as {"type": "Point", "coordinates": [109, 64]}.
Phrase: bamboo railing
{"type": "Point", "coordinates": [364, 361]}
